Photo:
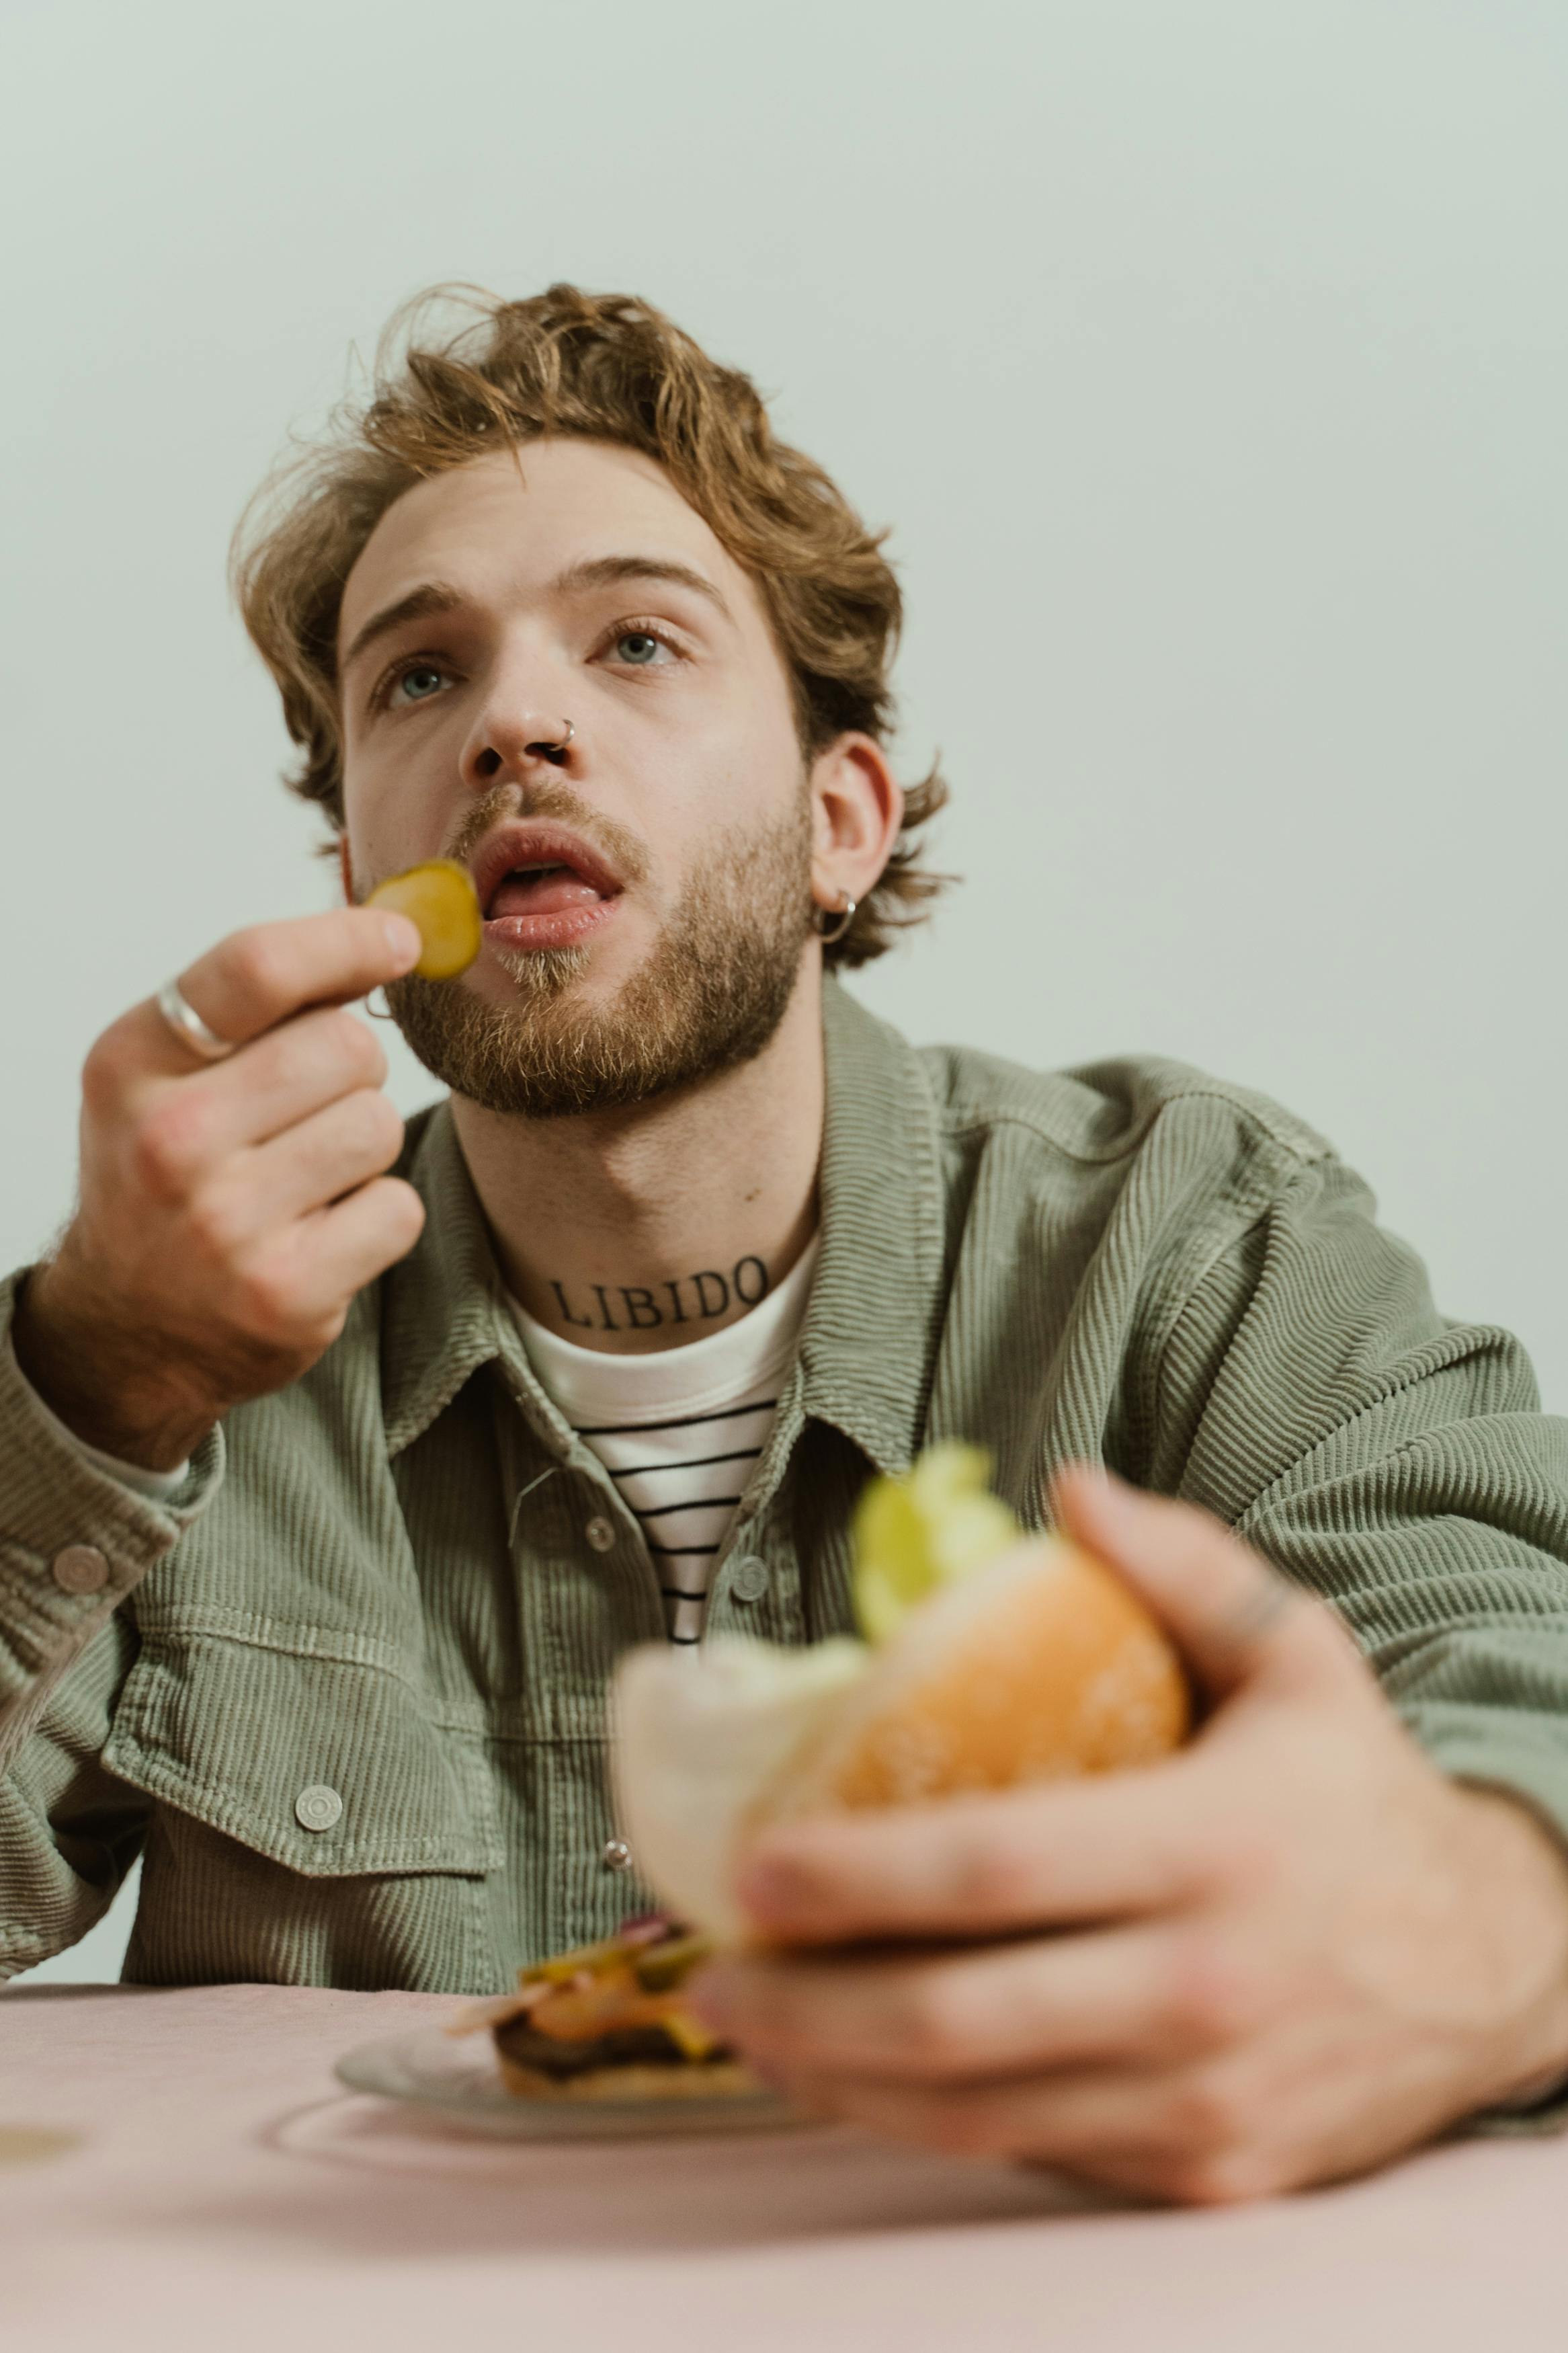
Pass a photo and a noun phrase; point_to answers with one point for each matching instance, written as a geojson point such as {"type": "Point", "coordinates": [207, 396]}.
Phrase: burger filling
{"type": "Point", "coordinates": [627, 2046]}
{"type": "Point", "coordinates": [616, 2004]}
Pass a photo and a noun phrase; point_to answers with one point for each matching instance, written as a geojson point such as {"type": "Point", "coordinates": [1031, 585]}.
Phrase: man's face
{"type": "Point", "coordinates": [646, 893]}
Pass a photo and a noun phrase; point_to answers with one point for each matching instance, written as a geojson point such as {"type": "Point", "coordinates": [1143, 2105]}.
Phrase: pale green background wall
{"type": "Point", "coordinates": [1209, 361]}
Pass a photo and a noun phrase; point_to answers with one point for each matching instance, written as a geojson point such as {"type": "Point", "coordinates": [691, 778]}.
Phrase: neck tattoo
{"type": "Point", "coordinates": [693, 1299]}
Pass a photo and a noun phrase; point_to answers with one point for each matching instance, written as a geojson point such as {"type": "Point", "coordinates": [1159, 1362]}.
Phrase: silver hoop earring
{"type": "Point", "coordinates": [831, 933]}
{"type": "Point", "coordinates": [382, 1012]}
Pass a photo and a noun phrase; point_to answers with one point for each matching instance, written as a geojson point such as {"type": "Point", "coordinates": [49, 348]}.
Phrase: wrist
{"type": "Point", "coordinates": [1523, 1883]}
{"type": "Point", "coordinates": [98, 1382]}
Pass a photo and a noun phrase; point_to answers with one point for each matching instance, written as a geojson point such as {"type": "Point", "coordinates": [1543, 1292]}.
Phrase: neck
{"type": "Point", "coordinates": [641, 1230]}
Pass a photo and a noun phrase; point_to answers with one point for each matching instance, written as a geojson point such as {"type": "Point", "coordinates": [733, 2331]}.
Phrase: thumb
{"type": "Point", "coordinates": [1233, 1617]}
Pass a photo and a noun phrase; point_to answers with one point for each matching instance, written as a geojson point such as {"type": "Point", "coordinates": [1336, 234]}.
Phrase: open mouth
{"type": "Point", "coordinates": [541, 886]}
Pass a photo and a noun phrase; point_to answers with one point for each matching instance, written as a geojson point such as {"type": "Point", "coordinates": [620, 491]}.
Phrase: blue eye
{"type": "Point", "coordinates": [637, 648]}
{"type": "Point", "coordinates": [418, 683]}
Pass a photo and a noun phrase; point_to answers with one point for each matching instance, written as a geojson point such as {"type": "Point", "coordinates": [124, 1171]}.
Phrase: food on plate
{"type": "Point", "coordinates": [991, 1659]}
{"type": "Point", "coordinates": [608, 2022]}
{"type": "Point", "coordinates": [440, 898]}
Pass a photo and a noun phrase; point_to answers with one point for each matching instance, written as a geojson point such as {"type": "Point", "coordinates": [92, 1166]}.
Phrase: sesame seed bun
{"type": "Point", "coordinates": [1042, 1665]}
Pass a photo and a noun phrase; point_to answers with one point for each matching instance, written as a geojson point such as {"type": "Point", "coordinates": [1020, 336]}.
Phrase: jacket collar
{"type": "Point", "coordinates": [870, 1342]}
{"type": "Point", "coordinates": [442, 1313]}
{"type": "Point", "coordinates": [868, 1349]}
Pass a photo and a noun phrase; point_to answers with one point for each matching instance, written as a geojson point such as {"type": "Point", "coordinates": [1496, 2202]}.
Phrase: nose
{"type": "Point", "coordinates": [516, 743]}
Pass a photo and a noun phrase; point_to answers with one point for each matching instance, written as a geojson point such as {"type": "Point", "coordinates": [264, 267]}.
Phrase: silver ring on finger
{"type": "Point", "coordinates": [1254, 1620]}
{"type": "Point", "coordinates": [188, 1025]}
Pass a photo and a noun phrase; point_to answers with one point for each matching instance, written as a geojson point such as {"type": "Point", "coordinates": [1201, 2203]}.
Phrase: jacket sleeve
{"type": "Point", "coordinates": [74, 1543]}
{"type": "Point", "coordinates": [1398, 1463]}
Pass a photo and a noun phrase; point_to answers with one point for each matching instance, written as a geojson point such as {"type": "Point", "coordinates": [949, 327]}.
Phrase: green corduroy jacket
{"type": "Point", "coordinates": [346, 1694]}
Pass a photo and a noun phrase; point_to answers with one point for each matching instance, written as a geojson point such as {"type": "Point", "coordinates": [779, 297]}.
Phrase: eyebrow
{"type": "Point", "coordinates": [608, 571]}
{"type": "Point", "coordinates": [435, 596]}
{"type": "Point", "coordinates": [419, 605]}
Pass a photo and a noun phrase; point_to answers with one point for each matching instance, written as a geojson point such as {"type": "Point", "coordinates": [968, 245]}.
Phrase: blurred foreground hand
{"type": "Point", "coordinates": [1280, 1957]}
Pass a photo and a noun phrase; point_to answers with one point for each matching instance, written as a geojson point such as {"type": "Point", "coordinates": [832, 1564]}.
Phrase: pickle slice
{"type": "Point", "coordinates": [933, 1528]}
{"type": "Point", "coordinates": [670, 1964]}
{"type": "Point", "coordinates": [440, 898]}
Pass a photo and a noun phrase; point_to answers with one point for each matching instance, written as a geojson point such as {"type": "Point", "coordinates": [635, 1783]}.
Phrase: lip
{"type": "Point", "coordinates": [537, 845]}
{"type": "Point", "coordinates": [566, 930]}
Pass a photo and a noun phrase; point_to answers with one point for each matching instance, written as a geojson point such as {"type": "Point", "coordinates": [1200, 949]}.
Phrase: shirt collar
{"type": "Point", "coordinates": [869, 1342]}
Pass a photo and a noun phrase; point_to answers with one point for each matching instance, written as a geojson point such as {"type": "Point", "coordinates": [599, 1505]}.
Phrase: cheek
{"type": "Point", "coordinates": [758, 772]}
{"type": "Point", "coordinates": [394, 810]}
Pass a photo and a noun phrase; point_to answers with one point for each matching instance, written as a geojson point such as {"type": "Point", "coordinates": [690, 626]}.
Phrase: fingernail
{"type": "Point", "coordinates": [403, 939]}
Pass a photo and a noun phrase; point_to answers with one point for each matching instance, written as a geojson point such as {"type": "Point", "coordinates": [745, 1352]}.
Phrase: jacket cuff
{"type": "Point", "coordinates": [1522, 1754]}
{"type": "Point", "coordinates": [74, 1540]}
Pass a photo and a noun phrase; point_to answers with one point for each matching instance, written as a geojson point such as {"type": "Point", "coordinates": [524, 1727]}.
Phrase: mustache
{"type": "Point", "coordinates": [549, 803]}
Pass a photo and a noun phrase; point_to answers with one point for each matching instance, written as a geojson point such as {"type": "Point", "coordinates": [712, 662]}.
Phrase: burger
{"type": "Point", "coordinates": [989, 1660]}
{"type": "Point", "coordinates": [607, 2022]}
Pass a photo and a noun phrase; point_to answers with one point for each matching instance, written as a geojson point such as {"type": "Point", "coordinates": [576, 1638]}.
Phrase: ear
{"type": "Point", "coordinates": [856, 809]}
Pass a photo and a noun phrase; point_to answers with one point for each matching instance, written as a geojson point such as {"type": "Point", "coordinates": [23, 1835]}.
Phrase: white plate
{"type": "Point", "coordinates": [457, 2075]}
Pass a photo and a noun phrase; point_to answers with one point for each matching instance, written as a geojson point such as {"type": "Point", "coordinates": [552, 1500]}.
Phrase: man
{"type": "Point", "coordinates": [339, 1466]}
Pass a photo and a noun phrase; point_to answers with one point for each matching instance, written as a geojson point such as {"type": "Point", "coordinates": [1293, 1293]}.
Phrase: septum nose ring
{"type": "Point", "coordinates": [552, 747]}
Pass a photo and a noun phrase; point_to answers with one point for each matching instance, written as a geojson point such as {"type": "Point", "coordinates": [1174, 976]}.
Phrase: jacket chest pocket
{"type": "Point", "coordinates": [332, 1768]}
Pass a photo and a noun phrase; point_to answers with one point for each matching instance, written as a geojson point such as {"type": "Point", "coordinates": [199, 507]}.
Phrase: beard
{"type": "Point", "coordinates": [709, 995]}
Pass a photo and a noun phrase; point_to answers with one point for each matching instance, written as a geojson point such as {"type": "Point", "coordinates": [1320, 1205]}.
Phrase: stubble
{"type": "Point", "coordinates": [708, 995]}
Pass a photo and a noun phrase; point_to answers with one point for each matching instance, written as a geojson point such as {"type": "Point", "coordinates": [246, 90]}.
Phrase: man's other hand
{"type": "Point", "coordinates": [228, 1211]}
{"type": "Point", "coordinates": [1279, 1958]}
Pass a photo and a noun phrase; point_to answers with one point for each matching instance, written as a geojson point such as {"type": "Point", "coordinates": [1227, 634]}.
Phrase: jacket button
{"type": "Point", "coordinates": [617, 1855]}
{"type": "Point", "coordinates": [318, 1808]}
{"type": "Point", "coordinates": [750, 1580]}
{"type": "Point", "coordinates": [600, 1534]}
{"type": "Point", "coordinates": [81, 1568]}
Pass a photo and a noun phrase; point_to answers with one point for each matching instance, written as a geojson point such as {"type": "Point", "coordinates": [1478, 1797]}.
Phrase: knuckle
{"type": "Point", "coordinates": [399, 1213]}
{"type": "Point", "coordinates": [257, 964]}
{"type": "Point", "coordinates": [408, 1207]}
{"type": "Point", "coordinates": [363, 1051]}
{"type": "Point", "coordinates": [376, 1125]}
{"type": "Point", "coordinates": [1205, 2120]}
{"type": "Point", "coordinates": [330, 1327]}
{"type": "Point", "coordinates": [346, 1045]}
{"type": "Point", "coordinates": [167, 1146]}
{"type": "Point", "coordinates": [215, 1223]}
{"type": "Point", "coordinates": [1210, 1999]}
{"type": "Point", "coordinates": [266, 1299]}
{"type": "Point", "coordinates": [933, 2025]}
{"type": "Point", "coordinates": [995, 1877]}
{"type": "Point", "coordinates": [103, 1072]}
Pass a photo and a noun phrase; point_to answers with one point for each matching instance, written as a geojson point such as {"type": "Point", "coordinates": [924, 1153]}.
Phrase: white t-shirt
{"type": "Point", "coordinates": [680, 1431]}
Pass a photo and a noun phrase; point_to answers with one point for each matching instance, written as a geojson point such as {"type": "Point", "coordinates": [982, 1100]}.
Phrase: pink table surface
{"type": "Point", "coordinates": [223, 2194]}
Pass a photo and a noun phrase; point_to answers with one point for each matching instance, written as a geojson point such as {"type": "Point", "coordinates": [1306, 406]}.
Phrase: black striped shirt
{"type": "Point", "coordinates": [679, 1433]}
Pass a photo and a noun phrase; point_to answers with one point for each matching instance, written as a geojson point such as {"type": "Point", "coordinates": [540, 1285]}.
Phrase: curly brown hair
{"type": "Point", "coordinates": [606, 367]}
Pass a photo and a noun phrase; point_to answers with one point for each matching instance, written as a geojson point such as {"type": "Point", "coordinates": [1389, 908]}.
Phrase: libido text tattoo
{"type": "Point", "coordinates": [692, 1299]}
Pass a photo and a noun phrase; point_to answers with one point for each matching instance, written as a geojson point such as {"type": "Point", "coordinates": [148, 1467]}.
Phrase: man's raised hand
{"type": "Point", "coordinates": [228, 1211]}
